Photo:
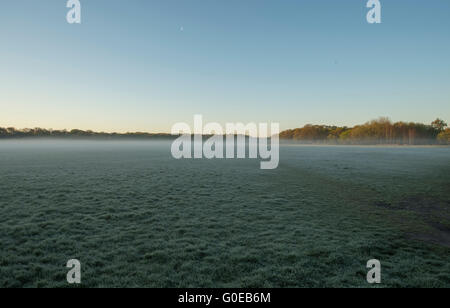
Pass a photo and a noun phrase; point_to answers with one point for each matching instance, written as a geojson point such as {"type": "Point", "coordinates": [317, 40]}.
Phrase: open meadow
{"type": "Point", "coordinates": [136, 217]}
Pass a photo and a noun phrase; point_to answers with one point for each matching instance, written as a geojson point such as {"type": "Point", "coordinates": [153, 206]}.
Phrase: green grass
{"type": "Point", "coordinates": [135, 217]}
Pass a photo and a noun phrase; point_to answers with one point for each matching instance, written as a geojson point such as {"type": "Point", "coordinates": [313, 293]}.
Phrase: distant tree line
{"type": "Point", "coordinates": [12, 132]}
{"type": "Point", "coordinates": [381, 131]}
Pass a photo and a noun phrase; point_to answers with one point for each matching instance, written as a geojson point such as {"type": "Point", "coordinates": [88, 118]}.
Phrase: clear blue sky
{"type": "Point", "coordinates": [142, 65]}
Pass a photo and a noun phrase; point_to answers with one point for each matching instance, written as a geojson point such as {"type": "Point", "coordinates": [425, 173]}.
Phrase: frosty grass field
{"type": "Point", "coordinates": [135, 217]}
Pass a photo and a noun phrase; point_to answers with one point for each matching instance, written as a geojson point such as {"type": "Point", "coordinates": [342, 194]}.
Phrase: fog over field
{"type": "Point", "coordinates": [134, 216]}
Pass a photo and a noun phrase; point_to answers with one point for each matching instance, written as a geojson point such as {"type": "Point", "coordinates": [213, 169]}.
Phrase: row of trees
{"type": "Point", "coordinates": [381, 131]}
{"type": "Point", "coordinates": [12, 132]}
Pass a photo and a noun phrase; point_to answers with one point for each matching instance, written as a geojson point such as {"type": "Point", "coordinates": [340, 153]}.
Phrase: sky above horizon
{"type": "Point", "coordinates": [146, 65]}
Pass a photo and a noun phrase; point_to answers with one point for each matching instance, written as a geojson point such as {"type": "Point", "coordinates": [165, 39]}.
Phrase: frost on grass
{"type": "Point", "coordinates": [134, 216]}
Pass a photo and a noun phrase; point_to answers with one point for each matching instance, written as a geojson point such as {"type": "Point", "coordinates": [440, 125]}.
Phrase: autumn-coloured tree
{"type": "Point", "coordinates": [439, 125]}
